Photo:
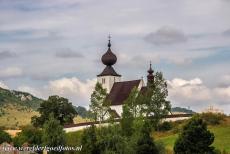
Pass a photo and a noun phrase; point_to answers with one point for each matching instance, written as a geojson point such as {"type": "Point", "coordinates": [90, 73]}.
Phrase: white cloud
{"type": "Point", "coordinates": [2, 85]}
{"type": "Point", "coordinates": [77, 91]}
{"type": "Point", "coordinates": [188, 90]}
{"type": "Point", "coordinates": [198, 96]}
{"type": "Point", "coordinates": [10, 72]}
{"type": "Point", "coordinates": [30, 90]}
{"type": "Point", "coordinates": [223, 92]}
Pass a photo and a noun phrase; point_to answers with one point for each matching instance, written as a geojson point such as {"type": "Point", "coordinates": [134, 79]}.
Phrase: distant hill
{"type": "Point", "coordinates": [17, 108]}
{"type": "Point", "coordinates": [184, 110]}
{"type": "Point", "coordinates": [19, 98]}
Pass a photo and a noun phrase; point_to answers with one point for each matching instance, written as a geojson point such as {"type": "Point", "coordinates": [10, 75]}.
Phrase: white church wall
{"type": "Point", "coordinates": [117, 108]}
{"type": "Point", "coordinates": [108, 81]}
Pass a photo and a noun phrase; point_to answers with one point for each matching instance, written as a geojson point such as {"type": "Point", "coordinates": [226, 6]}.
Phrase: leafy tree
{"type": "Point", "coordinates": [127, 121]}
{"type": "Point", "coordinates": [110, 140]}
{"type": "Point", "coordinates": [53, 134]}
{"type": "Point", "coordinates": [145, 144]}
{"type": "Point", "coordinates": [195, 138]}
{"type": "Point", "coordinates": [89, 141]}
{"type": "Point", "coordinates": [4, 137]}
{"type": "Point", "coordinates": [30, 135]}
{"type": "Point", "coordinates": [99, 106]}
{"type": "Point", "coordinates": [133, 102]}
{"type": "Point", "coordinates": [153, 101]}
{"type": "Point", "coordinates": [61, 109]}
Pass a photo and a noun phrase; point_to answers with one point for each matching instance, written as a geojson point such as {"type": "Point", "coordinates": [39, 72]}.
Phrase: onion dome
{"type": "Point", "coordinates": [150, 76]}
{"type": "Point", "coordinates": [109, 58]}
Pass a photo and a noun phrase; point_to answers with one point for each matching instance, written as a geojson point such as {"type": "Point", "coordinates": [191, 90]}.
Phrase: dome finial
{"type": "Point", "coordinates": [150, 71]}
{"type": "Point", "coordinates": [150, 76]}
{"type": "Point", "coordinates": [109, 44]}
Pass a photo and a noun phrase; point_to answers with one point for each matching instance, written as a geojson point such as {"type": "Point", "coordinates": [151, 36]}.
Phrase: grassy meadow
{"type": "Point", "coordinates": [221, 132]}
{"type": "Point", "coordinates": [14, 116]}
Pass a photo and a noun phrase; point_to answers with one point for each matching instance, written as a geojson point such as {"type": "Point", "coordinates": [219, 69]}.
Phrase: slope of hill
{"type": "Point", "coordinates": [221, 142]}
{"type": "Point", "coordinates": [18, 98]}
{"type": "Point", "coordinates": [17, 108]}
{"type": "Point", "coordinates": [180, 109]}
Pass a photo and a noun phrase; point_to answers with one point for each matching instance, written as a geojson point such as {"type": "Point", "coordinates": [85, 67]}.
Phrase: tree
{"type": "Point", "coordinates": [195, 138]}
{"type": "Point", "coordinates": [61, 109]}
{"type": "Point", "coordinates": [4, 137]}
{"type": "Point", "coordinates": [145, 144]}
{"type": "Point", "coordinates": [127, 121]}
{"type": "Point", "coordinates": [89, 141]}
{"type": "Point", "coordinates": [53, 134]}
{"type": "Point", "coordinates": [133, 102]}
{"type": "Point", "coordinates": [110, 140]}
{"type": "Point", "coordinates": [30, 135]}
{"type": "Point", "coordinates": [99, 106]}
{"type": "Point", "coordinates": [153, 101]}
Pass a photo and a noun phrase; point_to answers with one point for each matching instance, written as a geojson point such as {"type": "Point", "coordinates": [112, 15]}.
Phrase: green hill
{"type": "Point", "coordinates": [181, 109]}
{"type": "Point", "coordinates": [221, 132]}
{"type": "Point", "coordinates": [18, 98]}
{"type": "Point", "coordinates": [17, 108]}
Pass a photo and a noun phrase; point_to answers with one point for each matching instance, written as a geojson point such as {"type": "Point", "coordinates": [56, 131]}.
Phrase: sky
{"type": "Point", "coordinates": [52, 47]}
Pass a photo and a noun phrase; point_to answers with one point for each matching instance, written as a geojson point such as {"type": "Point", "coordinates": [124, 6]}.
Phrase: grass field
{"type": "Point", "coordinates": [221, 132]}
{"type": "Point", "coordinates": [14, 116]}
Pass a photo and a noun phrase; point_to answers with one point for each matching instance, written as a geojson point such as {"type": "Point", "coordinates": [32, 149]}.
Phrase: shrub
{"type": "Point", "coordinates": [165, 126]}
{"type": "Point", "coordinates": [212, 118]}
{"type": "Point", "coordinates": [30, 135]}
{"type": "Point", "coordinates": [195, 138]}
{"type": "Point", "coordinates": [4, 137]}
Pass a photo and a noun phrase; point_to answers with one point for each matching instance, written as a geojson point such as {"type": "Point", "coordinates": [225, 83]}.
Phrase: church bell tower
{"type": "Point", "coordinates": [108, 76]}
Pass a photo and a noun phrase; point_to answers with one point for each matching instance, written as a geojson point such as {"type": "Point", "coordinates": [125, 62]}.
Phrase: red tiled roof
{"type": "Point", "coordinates": [121, 90]}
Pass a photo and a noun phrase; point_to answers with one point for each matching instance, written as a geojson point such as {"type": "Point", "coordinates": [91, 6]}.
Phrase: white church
{"type": "Point", "coordinates": [118, 91]}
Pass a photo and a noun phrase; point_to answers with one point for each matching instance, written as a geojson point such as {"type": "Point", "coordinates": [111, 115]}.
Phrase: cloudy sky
{"type": "Point", "coordinates": [54, 47]}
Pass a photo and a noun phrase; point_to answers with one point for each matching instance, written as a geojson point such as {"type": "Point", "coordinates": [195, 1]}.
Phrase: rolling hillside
{"type": "Point", "coordinates": [16, 108]}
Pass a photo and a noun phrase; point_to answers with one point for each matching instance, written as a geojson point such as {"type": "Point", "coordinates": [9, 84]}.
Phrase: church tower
{"type": "Point", "coordinates": [150, 76]}
{"type": "Point", "coordinates": [108, 76]}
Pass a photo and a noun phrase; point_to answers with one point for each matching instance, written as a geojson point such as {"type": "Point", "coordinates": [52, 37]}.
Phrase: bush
{"type": "Point", "coordinates": [212, 118]}
{"type": "Point", "coordinates": [165, 126]}
{"type": "Point", "coordinates": [30, 135]}
{"type": "Point", "coordinates": [4, 137]}
{"type": "Point", "coordinates": [195, 138]}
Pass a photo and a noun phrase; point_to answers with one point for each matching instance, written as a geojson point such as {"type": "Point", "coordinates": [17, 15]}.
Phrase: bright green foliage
{"type": "Point", "coordinates": [89, 141]}
{"type": "Point", "coordinates": [29, 135]}
{"type": "Point", "coordinates": [127, 121]}
{"type": "Point", "coordinates": [154, 101]}
{"type": "Point", "coordinates": [99, 106]}
{"type": "Point", "coordinates": [133, 102]}
{"type": "Point", "coordinates": [61, 109]}
{"type": "Point", "coordinates": [195, 138]}
{"type": "Point", "coordinates": [110, 140]}
{"type": "Point", "coordinates": [145, 144]}
{"type": "Point", "coordinates": [53, 134]}
{"type": "Point", "coordinates": [4, 137]}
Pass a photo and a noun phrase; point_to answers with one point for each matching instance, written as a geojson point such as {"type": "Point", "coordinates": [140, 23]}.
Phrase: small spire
{"type": "Point", "coordinates": [150, 71]}
{"type": "Point", "coordinates": [109, 44]}
{"type": "Point", "coordinates": [150, 75]}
